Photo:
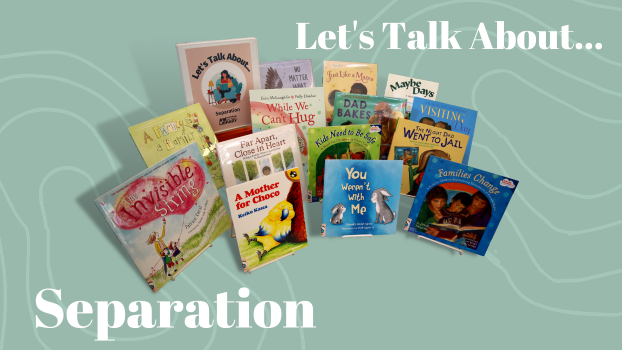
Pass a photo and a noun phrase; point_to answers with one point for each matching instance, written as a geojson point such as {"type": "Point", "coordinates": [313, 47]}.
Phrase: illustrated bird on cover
{"type": "Point", "coordinates": [273, 81]}
{"type": "Point", "coordinates": [275, 228]}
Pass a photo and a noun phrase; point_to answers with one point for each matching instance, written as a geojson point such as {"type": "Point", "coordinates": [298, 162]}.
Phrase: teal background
{"type": "Point", "coordinates": [75, 75]}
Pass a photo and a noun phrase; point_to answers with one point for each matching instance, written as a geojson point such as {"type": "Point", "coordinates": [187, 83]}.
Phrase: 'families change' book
{"type": "Point", "coordinates": [167, 215]}
{"type": "Point", "coordinates": [302, 107]}
{"type": "Point", "coordinates": [286, 74]}
{"type": "Point", "coordinates": [366, 109]}
{"type": "Point", "coordinates": [409, 88]}
{"type": "Point", "coordinates": [160, 137]}
{"type": "Point", "coordinates": [339, 142]}
{"type": "Point", "coordinates": [361, 198]}
{"type": "Point", "coordinates": [269, 218]}
{"type": "Point", "coordinates": [459, 205]}
{"type": "Point", "coordinates": [414, 143]}
{"type": "Point", "coordinates": [350, 77]}
{"type": "Point", "coordinates": [448, 117]}
{"type": "Point", "coordinates": [218, 75]}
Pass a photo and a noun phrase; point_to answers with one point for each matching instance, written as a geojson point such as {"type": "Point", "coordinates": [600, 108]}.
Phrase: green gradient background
{"type": "Point", "coordinates": [74, 76]}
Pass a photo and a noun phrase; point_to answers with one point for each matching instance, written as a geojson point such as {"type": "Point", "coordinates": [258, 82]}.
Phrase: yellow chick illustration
{"type": "Point", "coordinates": [274, 229]}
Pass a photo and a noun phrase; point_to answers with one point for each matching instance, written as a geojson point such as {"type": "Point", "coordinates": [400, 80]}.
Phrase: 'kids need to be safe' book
{"type": "Point", "coordinates": [361, 198]}
{"type": "Point", "coordinates": [160, 137]}
{"type": "Point", "coordinates": [286, 74]}
{"type": "Point", "coordinates": [339, 142]}
{"type": "Point", "coordinates": [445, 116]}
{"type": "Point", "coordinates": [268, 217]}
{"type": "Point", "coordinates": [459, 205]}
{"type": "Point", "coordinates": [218, 75]}
{"type": "Point", "coordinates": [414, 143]}
{"type": "Point", "coordinates": [259, 155]}
{"type": "Point", "coordinates": [167, 215]}
{"type": "Point", "coordinates": [409, 88]}
{"type": "Point", "coordinates": [302, 107]}
{"type": "Point", "coordinates": [350, 77]}
{"type": "Point", "coordinates": [366, 109]}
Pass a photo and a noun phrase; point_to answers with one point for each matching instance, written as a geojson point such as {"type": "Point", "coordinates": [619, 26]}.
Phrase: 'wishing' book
{"type": "Point", "coordinates": [167, 215]}
{"type": "Point", "coordinates": [459, 205]}
{"type": "Point", "coordinates": [409, 88]}
{"type": "Point", "coordinates": [286, 74]}
{"type": "Point", "coordinates": [350, 77]}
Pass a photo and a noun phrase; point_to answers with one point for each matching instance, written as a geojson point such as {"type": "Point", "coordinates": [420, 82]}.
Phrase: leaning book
{"type": "Point", "coordinates": [167, 215]}
{"type": "Point", "coordinates": [286, 74]}
{"type": "Point", "coordinates": [350, 77]}
{"type": "Point", "coordinates": [409, 88]}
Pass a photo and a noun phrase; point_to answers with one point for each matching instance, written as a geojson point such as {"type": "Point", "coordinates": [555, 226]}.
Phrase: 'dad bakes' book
{"type": "Point", "coordinates": [350, 77]}
{"type": "Point", "coordinates": [269, 218]}
{"type": "Point", "coordinates": [362, 197]}
{"type": "Point", "coordinates": [405, 87]}
{"type": "Point", "coordinates": [286, 74]}
{"type": "Point", "coordinates": [302, 107]}
{"type": "Point", "coordinates": [160, 137]}
{"type": "Point", "coordinates": [459, 205]}
{"type": "Point", "coordinates": [446, 116]}
{"type": "Point", "coordinates": [167, 215]}
{"type": "Point", "coordinates": [339, 142]}
{"type": "Point", "coordinates": [414, 143]}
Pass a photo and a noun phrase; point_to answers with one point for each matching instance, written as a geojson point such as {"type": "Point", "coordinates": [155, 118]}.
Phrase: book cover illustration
{"type": "Point", "coordinates": [302, 107]}
{"type": "Point", "coordinates": [405, 87]}
{"type": "Point", "coordinates": [459, 205]}
{"type": "Point", "coordinates": [339, 142]}
{"type": "Point", "coordinates": [160, 137]}
{"type": "Point", "coordinates": [167, 215]}
{"type": "Point", "coordinates": [366, 109]}
{"type": "Point", "coordinates": [362, 197]}
{"type": "Point", "coordinates": [350, 77]}
{"type": "Point", "coordinates": [414, 143]}
{"type": "Point", "coordinates": [260, 154]}
{"type": "Point", "coordinates": [269, 218]}
{"type": "Point", "coordinates": [286, 74]}
{"type": "Point", "coordinates": [218, 75]}
{"type": "Point", "coordinates": [445, 116]}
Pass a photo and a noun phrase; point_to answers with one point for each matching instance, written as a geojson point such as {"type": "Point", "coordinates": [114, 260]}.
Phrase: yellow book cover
{"type": "Point", "coordinates": [160, 137]}
{"type": "Point", "coordinates": [348, 77]}
{"type": "Point", "coordinates": [414, 143]}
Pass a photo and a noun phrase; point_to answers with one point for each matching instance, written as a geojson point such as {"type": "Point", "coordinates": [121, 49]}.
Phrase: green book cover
{"type": "Point", "coordinates": [339, 142]}
{"type": "Point", "coordinates": [160, 137]}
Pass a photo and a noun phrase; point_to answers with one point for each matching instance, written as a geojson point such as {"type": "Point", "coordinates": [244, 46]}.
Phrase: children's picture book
{"type": "Point", "coordinates": [445, 116]}
{"type": "Point", "coordinates": [269, 218]}
{"type": "Point", "coordinates": [286, 74]}
{"type": "Point", "coordinates": [366, 109]}
{"type": "Point", "coordinates": [460, 206]}
{"type": "Point", "coordinates": [339, 142]}
{"type": "Point", "coordinates": [261, 154]}
{"type": "Point", "coordinates": [167, 215]}
{"type": "Point", "coordinates": [304, 108]}
{"type": "Point", "coordinates": [160, 137]}
{"type": "Point", "coordinates": [361, 198]}
{"type": "Point", "coordinates": [405, 87]}
{"type": "Point", "coordinates": [218, 75]}
{"type": "Point", "coordinates": [414, 143]}
{"type": "Point", "coordinates": [350, 77]}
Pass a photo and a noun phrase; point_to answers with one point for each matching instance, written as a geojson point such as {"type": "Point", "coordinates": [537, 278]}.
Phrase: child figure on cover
{"type": "Point", "coordinates": [454, 214]}
{"type": "Point", "coordinates": [177, 253]}
{"type": "Point", "coordinates": [159, 245]}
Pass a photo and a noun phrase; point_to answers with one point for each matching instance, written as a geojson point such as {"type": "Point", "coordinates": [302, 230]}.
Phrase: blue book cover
{"type": "Point", "coordinates": [446, 116]}
{"type": "Point", "coordinates": [459, 205]}
{"type": "Point", "coordinates": [286, 74]}
{"type": "Point", "coordinates": [362, 197]}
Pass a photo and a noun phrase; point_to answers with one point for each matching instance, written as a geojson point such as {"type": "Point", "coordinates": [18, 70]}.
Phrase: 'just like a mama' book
{"type": "Point", "coordinates": [350, 77]}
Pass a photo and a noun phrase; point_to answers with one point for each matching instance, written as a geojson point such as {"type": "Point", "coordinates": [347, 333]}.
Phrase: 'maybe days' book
{"type": "Point", "coordinates": [302, 107]}
{"type": "Point", "coordinates": [167, 215]}
{"type": "Point", "coordinates": [268, 217]}
{"type": "Point", "coordinates": [286, 74]}
{"type": "Point", "coordinates": [218, 75]}
{"type": "Point", "coordinates": [459, 205]}
{"type": "Point", "coordinates": [445, 116]}
{"type": "Point", "coordinates": [350, 77]}
{"type": "Point", "coordinates": [361, 198]}
{"type": "Point", "coordinates": [366, 109]}
{"type": "Point", "coordinates": [409, 88]}
{"type": "Point", "coordinates": [160, 137]}
{"type": "Point", "coordinates": [414, 143]}
{"type": "Point", "coordinates": [339, 142]}
{"type": "Point", "coordinates": [259, 155]}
